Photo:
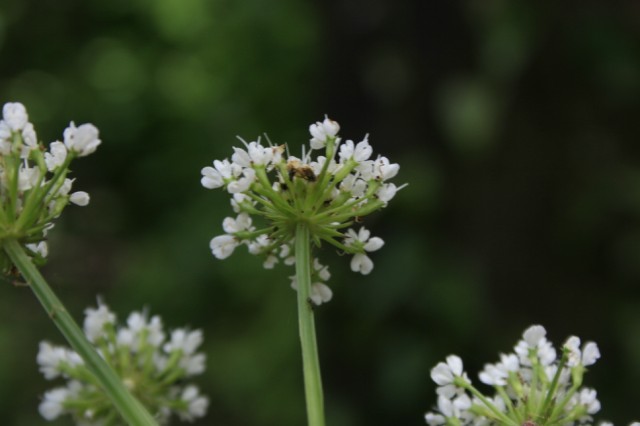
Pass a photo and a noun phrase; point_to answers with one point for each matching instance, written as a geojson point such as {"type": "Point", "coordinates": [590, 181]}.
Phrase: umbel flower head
{"type": "Point", "coordinates": [154, 368]}
{"type": "Point", "coordinates": [34, 187]}
{"type": "Point", "coordinates": [533, 387]}
{"type": "Point", "coordinates": [329, 193]}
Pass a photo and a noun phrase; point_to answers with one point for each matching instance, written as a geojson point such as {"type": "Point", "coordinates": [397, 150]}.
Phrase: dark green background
{"type": "Point", "coordinates": [515, 126]}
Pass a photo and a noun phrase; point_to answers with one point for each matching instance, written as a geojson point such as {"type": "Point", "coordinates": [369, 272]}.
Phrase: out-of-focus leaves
{"type": "Point", "coordinates": [515, 126]}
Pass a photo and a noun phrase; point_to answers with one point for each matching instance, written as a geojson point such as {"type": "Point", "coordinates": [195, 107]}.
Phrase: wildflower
{"type": "Point", "coordinates": [274, 191]}
{"type": "Point", "coordinates": [361, 241]}
{"type": "Point", "coordinates": [34, 188]}
{"type": "Point", "coordinates": [323, 131]}
{"type": "Point", "coordinates": [320, 292]}
{"type": "Point", "coordinates": [153, 369]}
{"type": "Point", "coordinates": [52, 405]}
{"type": "Point", "coordinates": [531, 386]}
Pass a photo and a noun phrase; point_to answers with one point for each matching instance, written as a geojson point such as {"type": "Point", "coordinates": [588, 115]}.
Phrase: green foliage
{"type": "Point", "coordinates": [515, 127]}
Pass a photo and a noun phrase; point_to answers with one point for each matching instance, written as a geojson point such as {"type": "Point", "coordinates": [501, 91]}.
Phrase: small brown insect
{"type": "Point", "coordinates": [303, 171]}
{"type": "Point", "coordinates": [529, 423]}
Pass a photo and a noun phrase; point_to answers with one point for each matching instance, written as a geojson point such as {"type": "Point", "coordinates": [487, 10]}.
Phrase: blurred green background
{"type": "Point", "coordinates": [515, 125]}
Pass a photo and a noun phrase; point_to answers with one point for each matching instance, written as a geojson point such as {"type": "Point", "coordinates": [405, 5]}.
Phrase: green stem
{"type": "Point", "coordinates": [551, 393]}
{"type": "Point", "coordinates": [310, 362]}
{"type": "Point", "coordinates": [130, 408]}
{"type": "Point", "coordinates": [494, 410]}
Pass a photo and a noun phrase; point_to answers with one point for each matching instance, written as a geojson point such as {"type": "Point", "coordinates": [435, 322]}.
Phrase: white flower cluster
{"type": "Point", "coordinates": [327, 193]}
{"type": "Point", "coordinates": [34, 188]}
{"type": "Point", "coordinates": [152, 367]}
{"type": "Point", "coordinates": [532, 387]}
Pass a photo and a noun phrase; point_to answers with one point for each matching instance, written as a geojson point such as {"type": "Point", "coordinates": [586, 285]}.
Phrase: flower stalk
{"type": "Point", "coordinates": [306, 324]}
{"type": "Point", "coordinates": [131, 410]}
{"type": "Point", "coordinates": [34, 190]}
{"type": "Point", "coordinates": [287, 206]}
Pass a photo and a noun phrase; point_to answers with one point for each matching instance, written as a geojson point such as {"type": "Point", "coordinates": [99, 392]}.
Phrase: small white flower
{"type": "Point", "coordinates": [96, 319]}
{"type": "Point", "coordinates": [15, 115]}
{"type": "Point", "coordinates": [56, 155]}
{"type": "Point", "coordinates": [211, 178]}
{"type": "Point", "coordinates": [52, 359]}
{"type": "Point", "coordinates": [386, 192]}
{"type": "Point", "coordinates": [361, 263]}
{"type": "Point", "coordinates": [590, 354]}
{"type": "Point", "coordinates": [196, 404]}
{"type": "Point", "coordinates": [360, 152]}
{"type": "Point", "coordinates": [362, 241]}
{"type": "Point", "coordinates": [79, 198]}
{"type": "Point", "coordinates": [353, 184]}
{"type": "Point", "coordinates": [52, 405]}
{"type": "Point", "coordinates": [240, 223]}
{"type": "Point", "coordinates": [546, 352]}
{"type": "Point", "coordinates": [320, 132]}
{"type": "Point", "coordinates": [259, 245]}
{"type": "Point", "coordinates": [223, 246]}
{"type": "Point", "coordinates": [509, 363]}
{"type": "Point", "coordinates": [27, 178]}
{"type": "Point", "coordinates": [534, 340]}
{"type": "Point", "coordinates": [493, 375]}
{"type": "Point", "coordinates": [193, 365]}
{"type": "Point", "coordinates": [588, 399]}
{"type": "Point", "coordinates": [30, 140]}
{"type": "Point", "coordinates": [185, 341]}
{"type": "Point", "coordinates": [242, 184]}
{"type": "Point", "coordinates": [255, 155]}
{"type": "Point", "coordinates": [434, 419]}
{"type": "Point", "coordinates": [239, 199]}
{"type": "Point", "coordinates": [270, 261]}
{"type": "Point", "coordinates": [321, 270]}
{"type": "Point", "coordinates": [320, 293]}
{"type": "Point", "coordinates": [587, 356]}
{"type": "Point", "coordinates": [222, 171]}
{"type": "Point", "coordinates": [138, 323]}
{"type": "Point", "coordinates": [444, 373]}
{"type": "Point", "coordinates": [318, 165]}
{"type": "Point", "coordinates": [534, 335]}
{"type": "Point", "coordinates": [83, 139]}
{"type": "Point", "coordinates": [49, 358]}
{"type": "Point", "coordinates": [40, 248]}
{"type": "Point", "coordinates": [454, 407]}
{"type": "Point", "coordinates": [384, 170]}
{"type": "Point", "coordinates": [127, 337]}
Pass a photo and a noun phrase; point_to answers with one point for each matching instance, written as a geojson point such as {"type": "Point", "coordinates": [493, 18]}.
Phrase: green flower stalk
{"type": "Point", "coordinates": [287, 206]}
{"type": "Point", "coordinates": [153, 367]}
{"type": "Point", "coordinates": [34, 190]}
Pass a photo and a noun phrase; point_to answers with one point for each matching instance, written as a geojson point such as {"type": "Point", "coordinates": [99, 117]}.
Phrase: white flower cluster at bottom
{"type": "Point", "coordinates": [151, 367]}
{"type": "Point", "coordinates": [533, 387]}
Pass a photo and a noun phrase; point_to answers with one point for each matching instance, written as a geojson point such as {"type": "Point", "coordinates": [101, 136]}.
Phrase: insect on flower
{"type": "Point", "coordinates": [303, 171]}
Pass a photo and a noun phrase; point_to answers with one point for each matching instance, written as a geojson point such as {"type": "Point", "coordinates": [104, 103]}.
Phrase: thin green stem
{"type": "Point", "coordinates": [507, 401]}
{"type": "Point", "coordinates": [494, 410]}
{"type": "Point", "coordinates": [130, 408]}
{"type": "Point", "coordinates": [310, 362]}
{"type": "Point", "coordinates": [551, 393]}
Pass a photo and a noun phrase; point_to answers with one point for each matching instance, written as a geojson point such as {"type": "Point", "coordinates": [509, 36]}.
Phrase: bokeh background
{"type": "Point", "coordinates": [515, 124]}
